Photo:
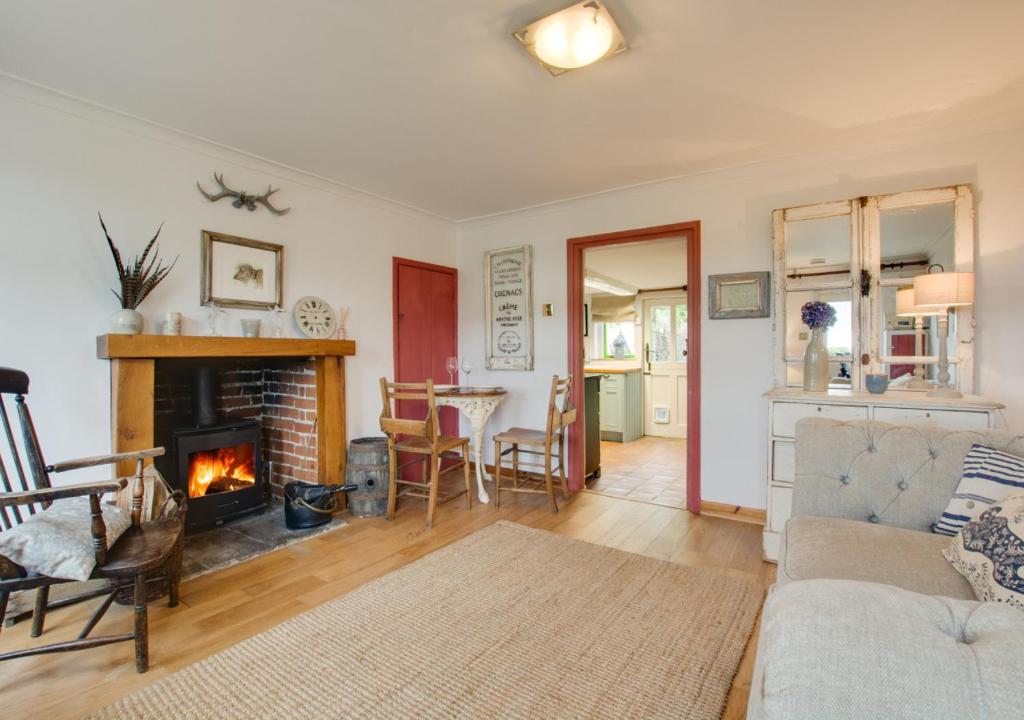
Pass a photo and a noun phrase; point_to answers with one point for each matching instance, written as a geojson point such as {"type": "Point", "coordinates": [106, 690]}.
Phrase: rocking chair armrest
{"type": "Point", "coordinates": [105, 459]}
{"type": "Point", "coordinates": [48, 495]}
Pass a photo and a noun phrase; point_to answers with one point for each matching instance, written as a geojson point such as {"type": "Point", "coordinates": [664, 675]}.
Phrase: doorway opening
{"type": "Point", "coordinates": [634, 339]}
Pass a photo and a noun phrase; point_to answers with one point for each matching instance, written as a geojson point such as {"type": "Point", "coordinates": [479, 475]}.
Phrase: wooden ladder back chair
{"type": "Point", "coordinates": [551, 443]}
{"type": "Point", "coordinates": [146, 554]}
{"type": "Point", "coordinates": [420, 437]}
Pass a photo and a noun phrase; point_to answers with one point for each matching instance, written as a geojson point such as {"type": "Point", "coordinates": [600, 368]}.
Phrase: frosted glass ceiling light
{"type": "Point", "coordinates": [572, 38]}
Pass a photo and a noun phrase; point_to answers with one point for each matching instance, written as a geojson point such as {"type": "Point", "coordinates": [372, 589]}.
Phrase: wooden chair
{"type": "Point", "coordinates": [421, 437]}
{"type": "Point", "coordinates": [561, 414]}
{"type": "Point", "coordinates": [145, 555]}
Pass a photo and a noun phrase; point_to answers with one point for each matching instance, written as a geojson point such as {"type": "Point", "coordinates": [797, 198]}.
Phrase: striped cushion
{"type": "Point", "coordinates": [988, 477]}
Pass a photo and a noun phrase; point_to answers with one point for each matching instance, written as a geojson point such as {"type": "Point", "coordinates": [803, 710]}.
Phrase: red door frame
{"type": "Point", "coordinates": [575, 247]}
{"type": "Point", "coordinates": [397, 262]}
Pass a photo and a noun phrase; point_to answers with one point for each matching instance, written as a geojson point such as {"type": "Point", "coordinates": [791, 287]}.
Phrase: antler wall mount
{"type": "Point", "coordinates": [241, 197]}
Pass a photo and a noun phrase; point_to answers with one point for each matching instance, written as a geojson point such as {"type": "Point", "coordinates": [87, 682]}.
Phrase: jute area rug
{"type": "Point", "coordinates": [510, 622]}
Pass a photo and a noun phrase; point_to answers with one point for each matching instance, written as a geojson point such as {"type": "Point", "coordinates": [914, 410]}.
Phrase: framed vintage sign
{"type": "Point", "coordinates": [509, 308]}
{"type": "Point", "coordinates": [240, 273]}
{"type": "Point", "coordinates": [738, 295]}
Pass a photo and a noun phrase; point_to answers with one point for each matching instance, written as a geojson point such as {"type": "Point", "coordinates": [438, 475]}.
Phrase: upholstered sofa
{"type": "Point", "coordinates": [867, 618]}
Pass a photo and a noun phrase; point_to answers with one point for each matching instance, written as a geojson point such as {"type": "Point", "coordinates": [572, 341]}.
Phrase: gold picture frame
{"type": "Point", "coordinates": [238, 272]}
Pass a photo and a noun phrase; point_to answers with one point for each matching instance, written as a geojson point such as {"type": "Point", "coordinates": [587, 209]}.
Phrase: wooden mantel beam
{"type": "Point", "coordinates": [110, 347]}
{"type": "Point", "coordinates": [132, 379]}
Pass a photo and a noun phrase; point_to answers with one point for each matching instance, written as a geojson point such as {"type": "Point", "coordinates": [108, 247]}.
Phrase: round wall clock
{"type": "Point", "coordinates": [315, 318]}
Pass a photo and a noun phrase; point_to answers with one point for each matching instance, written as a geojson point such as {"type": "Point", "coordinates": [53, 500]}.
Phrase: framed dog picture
{"type": "Point", "coordinates": [240, 273]}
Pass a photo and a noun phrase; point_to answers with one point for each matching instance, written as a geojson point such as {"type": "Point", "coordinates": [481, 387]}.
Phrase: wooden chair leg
{"type": "Point", "coordinates": [141, 625]}
{"type": "Point", "coordinates": [561, 469]}
{"type": "Point", "coordinates": [174, 579]}
{"type": "Point", "coordinates": [39, 614]}
{"type": "Point", "coordinates": [434, 481]}
{"type": "Point", "coordinates": [466, 475]}
{"type": "Point", "coordinates": [515, 464]}
{"type": "Point", "coordinates": [549, 482]}
{"type": "Point", "coordinates": [497, 474]}
{"type": "Point", "coordinates": [4, 596]}
{"type": "Point", "coordinates": [392, 482]}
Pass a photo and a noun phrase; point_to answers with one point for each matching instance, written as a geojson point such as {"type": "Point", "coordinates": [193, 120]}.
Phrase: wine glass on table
{"type": "Point", "coordinates": [467, 367]}
{"type": "Point", "coordinates": [452, 366]}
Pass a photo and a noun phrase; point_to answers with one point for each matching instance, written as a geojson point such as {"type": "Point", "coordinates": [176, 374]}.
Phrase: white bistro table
{"type": "Point", "coordinates": [477, 404]}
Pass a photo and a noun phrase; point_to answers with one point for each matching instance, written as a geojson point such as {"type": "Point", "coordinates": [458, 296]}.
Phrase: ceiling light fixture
{"type": "Point", "coordinates": [572, 38]}
{"type": "Point", "coordinates": [603, 283]}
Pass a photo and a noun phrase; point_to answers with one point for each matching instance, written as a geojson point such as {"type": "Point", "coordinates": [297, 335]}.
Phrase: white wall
{"type": "Point", "coordinates": [62, 161]}
{"type": "Point", "coordinates": [734, 208]}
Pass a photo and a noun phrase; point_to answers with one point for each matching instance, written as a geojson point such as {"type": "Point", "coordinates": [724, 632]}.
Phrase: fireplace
{"type": "Point", "coordinates": [219, 469]}
{"type": "Point", "coordinates": [294, 389]}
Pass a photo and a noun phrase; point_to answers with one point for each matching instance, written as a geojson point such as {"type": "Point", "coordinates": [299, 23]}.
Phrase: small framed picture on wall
{"type": "Point", "coordinates": [239, 272]}
{"type": "Point", "coordinates": [738, 295]}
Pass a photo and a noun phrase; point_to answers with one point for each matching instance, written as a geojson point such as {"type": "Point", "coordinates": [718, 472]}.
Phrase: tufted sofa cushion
{"type": "Point", "coordinates": [902, 475]}
{"type": "Point", "coordinates": [817, 547]}
{"type": "Point", "coordinates": [838, 649]}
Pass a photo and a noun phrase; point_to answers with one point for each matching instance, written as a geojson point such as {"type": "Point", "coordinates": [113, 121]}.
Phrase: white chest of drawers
{"type": "Point", "coordinates": [788, 405]}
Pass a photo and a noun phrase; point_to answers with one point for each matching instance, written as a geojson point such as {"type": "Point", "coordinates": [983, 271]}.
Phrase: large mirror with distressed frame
{"type": "Point", "coordinates": [861, 256]}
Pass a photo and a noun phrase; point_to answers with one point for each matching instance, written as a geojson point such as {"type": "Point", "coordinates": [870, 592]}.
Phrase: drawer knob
{"type": "Point", "coordinates": [819, 408]}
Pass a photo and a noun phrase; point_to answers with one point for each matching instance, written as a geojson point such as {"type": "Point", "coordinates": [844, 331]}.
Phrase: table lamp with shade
{"type": "Point", "coordinates": [906, 307]}
{"type": "Point", "coordinates": [943, 291]}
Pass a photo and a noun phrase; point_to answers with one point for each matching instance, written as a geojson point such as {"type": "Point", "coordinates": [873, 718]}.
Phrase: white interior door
{"type": "Point", "coordinates": [664, 358]}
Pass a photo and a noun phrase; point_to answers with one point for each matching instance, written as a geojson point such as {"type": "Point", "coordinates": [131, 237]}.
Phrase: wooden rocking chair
{"type": "Point", "coordinates": [145, 554]}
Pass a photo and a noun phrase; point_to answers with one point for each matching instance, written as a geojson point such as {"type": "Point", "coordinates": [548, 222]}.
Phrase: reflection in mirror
{"type": "Point", "coordinates": [818, 250]}
{"type": "Point", "coordinates": [910, 336]}
{"type": "Point", "coordinates": [838, 338]}
{"type": "Point", "coordinates": [913, 238]}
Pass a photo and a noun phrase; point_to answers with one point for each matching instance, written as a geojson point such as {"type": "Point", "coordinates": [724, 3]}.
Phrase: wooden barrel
{"type": "Point", "coordinates": [367, 469]}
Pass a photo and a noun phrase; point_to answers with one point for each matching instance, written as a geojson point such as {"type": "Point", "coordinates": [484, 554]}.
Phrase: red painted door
{"type": "Point", "coordinates": [426, 331]}
{"type": "Point", "coordinates": [901, 345]}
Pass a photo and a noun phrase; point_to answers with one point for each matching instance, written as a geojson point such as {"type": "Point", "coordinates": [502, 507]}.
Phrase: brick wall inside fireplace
{"type": "Point", "coordinates": [281, 393]}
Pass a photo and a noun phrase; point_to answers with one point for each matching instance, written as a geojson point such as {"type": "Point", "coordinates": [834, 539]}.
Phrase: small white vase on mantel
{"type": "Point", "coordinates": [816, 362]}
{"type": "Point", "coordinates": [126, 321]}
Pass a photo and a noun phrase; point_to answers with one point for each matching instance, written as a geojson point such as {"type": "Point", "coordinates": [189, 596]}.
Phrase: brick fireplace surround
{"type": "Point", "coordinates": [295, 387]}
{"type": "Point", "coordinates": [280, 393]}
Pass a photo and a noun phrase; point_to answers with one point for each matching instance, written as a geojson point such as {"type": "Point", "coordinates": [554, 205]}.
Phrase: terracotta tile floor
{"type": "Point", "coordinates": [651, 469]}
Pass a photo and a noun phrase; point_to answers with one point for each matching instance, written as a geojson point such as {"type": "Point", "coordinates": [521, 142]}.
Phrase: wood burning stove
{"type": "Point", "coordinates": [216, 460]}
{"type": "Point", "coordinates": [220, 470]}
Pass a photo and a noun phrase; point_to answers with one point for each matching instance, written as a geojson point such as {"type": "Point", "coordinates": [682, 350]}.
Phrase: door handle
{"type": "Point", "coordinates": [647, 356]}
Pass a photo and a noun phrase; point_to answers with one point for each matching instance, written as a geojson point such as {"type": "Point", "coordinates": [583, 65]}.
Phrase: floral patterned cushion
{"type": "Point", "coordinates": [989, 552]}
{"type": "Point", "coordinates": [57, 542]}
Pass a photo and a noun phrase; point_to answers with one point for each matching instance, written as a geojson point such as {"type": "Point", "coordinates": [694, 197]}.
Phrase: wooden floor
{"type": "Point", "coordinates": [220, 609]}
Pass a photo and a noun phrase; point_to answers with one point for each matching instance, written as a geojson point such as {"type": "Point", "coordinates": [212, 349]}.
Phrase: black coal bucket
{"type": "Point", "coordinates": [307, 505]}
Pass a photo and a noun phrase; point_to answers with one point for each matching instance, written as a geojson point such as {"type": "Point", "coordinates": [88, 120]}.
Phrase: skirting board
{"type": "Point", "coordinates": [734, 512]}
{"type": "Point", "coordinates": [716, 509]}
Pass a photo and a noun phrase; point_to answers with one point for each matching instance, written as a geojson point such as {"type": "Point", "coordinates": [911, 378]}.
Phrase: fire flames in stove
{"type": "Point", "coordinates": [221, 470]}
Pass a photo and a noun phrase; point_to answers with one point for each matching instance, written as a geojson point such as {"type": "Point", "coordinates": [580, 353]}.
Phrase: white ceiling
{"type": "Point", "coordinates": [644, 265]}
{"type": "Point", "coordinates": [433, 104]}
